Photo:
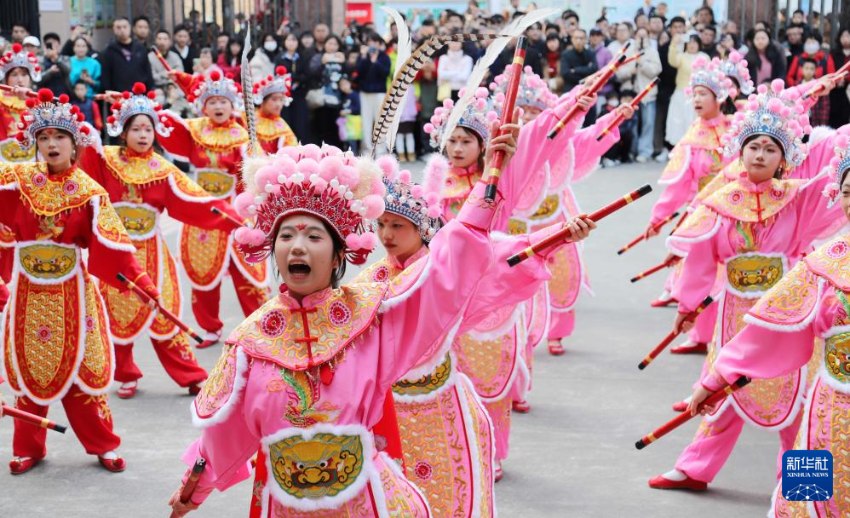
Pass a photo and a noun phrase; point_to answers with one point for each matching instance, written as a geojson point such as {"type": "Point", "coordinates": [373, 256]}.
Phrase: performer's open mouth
{"type": "Point", "coordinates": [299, 270]}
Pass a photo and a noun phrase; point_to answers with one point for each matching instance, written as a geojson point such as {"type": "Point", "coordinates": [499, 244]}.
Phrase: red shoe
{"type": "Point", "coordinates": [663, 303]}
{"type": "Point", "coordinates": [210, 338]}
{"type": "Point", "coordinates": [690, 348]}
{"type": "Point", "coordinates": [498, 473]}
{"type": "Point", "coordinates": [521, 407]}
{"type": "Point", "coordinates": [660, 482]}
{"type": "Point", "coordinates": [116, 465]}
{"type": "Point", "coordinates": [20, 465]}
{"type": "Point", "coordinates": [681, 406]}
{"type": "Point", "coordinates": [128, 389]}
{"type": "Point", "coordinates": [555, 348]}
{"type": "Point", "coordinates": [194, 389]}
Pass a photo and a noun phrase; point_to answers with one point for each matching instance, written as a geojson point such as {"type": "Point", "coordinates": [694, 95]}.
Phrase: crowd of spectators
{"type": "Point", "coordinates": [339, 80]}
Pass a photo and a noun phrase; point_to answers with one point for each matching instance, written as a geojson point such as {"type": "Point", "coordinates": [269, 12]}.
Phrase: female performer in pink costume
{"type": "Point", "coordinates": [757, 226]}
{"type": "Point", "coordinates": [784, 326]}
{"type": "Point", "coordinates": [142, 185]}
{"type": "Point", "coordinates": [325, 357]}
{"type": "Point", "coordinates": [694, 162]}
{"type": "Point", "coordinates": [549, 199]}
{"type": "Point", "coordinates": [446, 433]}
{"type": "Point", "coordinates": [491, 353]}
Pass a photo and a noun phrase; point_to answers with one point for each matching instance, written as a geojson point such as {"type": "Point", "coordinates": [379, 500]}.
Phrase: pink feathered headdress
{"type": "Point", "coordinates": [342, 190]}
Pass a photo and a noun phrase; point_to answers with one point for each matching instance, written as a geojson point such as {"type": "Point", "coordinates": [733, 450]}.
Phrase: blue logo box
{"type": "Point", "coordinates": [807, 475]}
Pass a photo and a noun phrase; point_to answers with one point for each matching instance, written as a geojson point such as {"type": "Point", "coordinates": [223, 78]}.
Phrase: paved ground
{"type": "Point", "coordinates": [573, 455]}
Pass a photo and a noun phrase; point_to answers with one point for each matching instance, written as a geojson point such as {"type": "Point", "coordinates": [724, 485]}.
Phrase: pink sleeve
{"type": "Point", "coordinates": [590, 149]}
{"type": "Point", "coordinates": [227, 447]}
{"type": "Point", "coordinates": [504, 285]}
{"type": "Point", "coordinates": [699, 272]}
{"type": "Point", "coordinates": [677, 194]}
{"type": "Point", "coordinates": [532, 152]}
{"type": "Point", "coordinates": [758, 352]}
{"type": "Point", "coordinates": [820, 153]}
{"type": "Point", "coordinates": [415, 321]}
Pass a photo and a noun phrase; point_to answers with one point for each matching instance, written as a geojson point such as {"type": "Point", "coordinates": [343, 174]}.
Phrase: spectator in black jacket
{"type": "Point", "coordinates": [577, 63]}
{"type": "Point", "coordinates": [297, 114]}
{"type": "Point", "coordinates": [55, 67]}
{"type": "Point", "coordinates": [373, 69]}
{"type": "Point", "coordinates": [125, 60]}
{"type": "Point", "coordinates": [183, 48]}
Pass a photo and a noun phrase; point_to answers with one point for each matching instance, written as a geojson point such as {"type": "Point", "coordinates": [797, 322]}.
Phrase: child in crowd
{"type": "Point", "coordinates": [86, 105]}
{"type": "Point", "coordinates": [405, 143]}
{"type": "Point", "coordinates": [819, 115]}
{"type": "Point", "coordinates": [349, 122]}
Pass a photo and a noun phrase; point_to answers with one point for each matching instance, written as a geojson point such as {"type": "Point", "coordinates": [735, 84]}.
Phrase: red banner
{"type": "Point", "coordinates": [360, 12]}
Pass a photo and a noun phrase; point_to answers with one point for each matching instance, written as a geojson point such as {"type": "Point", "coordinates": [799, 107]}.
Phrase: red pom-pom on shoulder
{"type": "Point", "coordinates": [45, 95]}
{"type": "Point", "coordinates": [215, 75]}
{"type": "Point", "coordinates": [139, 88]}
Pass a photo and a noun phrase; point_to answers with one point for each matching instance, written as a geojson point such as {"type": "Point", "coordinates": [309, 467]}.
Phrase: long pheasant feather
{"type": "Point", "coordinates": [482, 67]}
{"type": "Point", "coordinates": [247, 94]}
{"type": "Point", "coordinates": [405, 76]}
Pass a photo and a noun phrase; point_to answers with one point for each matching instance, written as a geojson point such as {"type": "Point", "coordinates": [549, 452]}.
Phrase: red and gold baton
{"type": "Point", "coordinates": [634, 104]}
{"type": "Point", "coordinates": [673, 334]}
{"type": "Point", "coordinates": [655, 269]}
{"type": "Point", "coordinates": [686, 416]}
{"type": "Point", "coordinates": [507, 115]}
{"type": "Point", "coordinates": [228, 217]}
{"type": "Point", "coordinates": [167, 314]}
{"type": "Point", "coordinates": [641, 237]}
{"type": "Point", "coordinates": [162, 60]}
{"type": "Point", "coordinates": [31, 418]}
{"type": "Point", "coordinates": [191, 483]}
{"type": "Point", "coordinates": [592, 89]}
{"type": "Point", "coordinates": [562, 234]}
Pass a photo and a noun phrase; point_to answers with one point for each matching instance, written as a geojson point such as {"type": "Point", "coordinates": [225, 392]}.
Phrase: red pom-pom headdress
{"type": "Point", "coordinates": [139, 102]}
{"type": "Point", "coordinates": [19, 58]}
{"type": "Point", "coordinates": [46, 111]}
{"type": "Point", "coordinates": [215, 85]}
{"type": "Point", "coordinates": [279, 82]}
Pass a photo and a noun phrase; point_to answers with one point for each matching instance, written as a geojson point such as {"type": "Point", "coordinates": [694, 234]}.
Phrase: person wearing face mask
{"type": "Point", "coordinates": [757, 226]}
{"type": "Point", "coordinates": [214, 145]}
{"type": "Point", "coordinates": [812, 49]}
{"type": "Point", "coordinates": [262, 64]}
{"type": "Point", "coordinates": [142, 185]}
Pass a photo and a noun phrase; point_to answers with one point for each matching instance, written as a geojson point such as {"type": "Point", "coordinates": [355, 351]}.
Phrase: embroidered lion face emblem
{"type": "Point", "coordinates": [47, 261]}
{"type": "Point", "coordinates": [322, 466]}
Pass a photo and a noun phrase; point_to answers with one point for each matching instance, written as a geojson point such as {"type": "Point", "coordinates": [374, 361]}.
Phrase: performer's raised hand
{"type": "Point", "coordinates": [625, 110]}
{"type": "Point", "coordinates": [504, 139]}
{"type": "Point", "coordinates": [579, 227]}
{"type": "Point", "coordinates": [586, 102]}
